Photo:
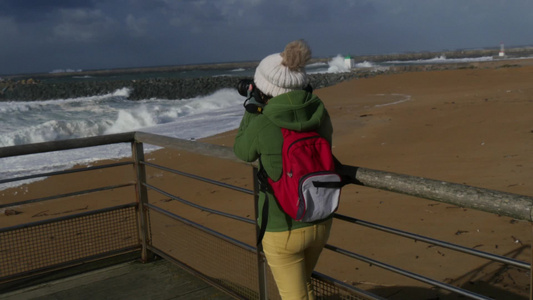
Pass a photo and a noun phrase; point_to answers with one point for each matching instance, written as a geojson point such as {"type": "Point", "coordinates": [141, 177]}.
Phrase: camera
{"type": "Point", "coordinates": [243, 86]}
{"type": "Point", "coordinates": [254, 102]}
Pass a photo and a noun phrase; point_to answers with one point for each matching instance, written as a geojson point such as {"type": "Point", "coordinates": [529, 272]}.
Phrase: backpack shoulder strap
{"type": "Point", "coordinates": [264, 221]}
{"type": "Point", "coordinates": [263, 187]}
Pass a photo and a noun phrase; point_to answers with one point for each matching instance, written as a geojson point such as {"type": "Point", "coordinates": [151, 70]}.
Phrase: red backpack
{"type": "Point", "coordinates": [309, 188]}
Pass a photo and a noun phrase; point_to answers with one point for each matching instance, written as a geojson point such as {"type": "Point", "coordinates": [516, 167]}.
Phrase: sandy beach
{"type": "Point", "coordinates": [471, 126]}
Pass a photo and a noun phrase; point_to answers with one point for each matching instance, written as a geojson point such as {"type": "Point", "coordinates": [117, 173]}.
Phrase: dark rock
{"type": "Point", "coordinates": [168, 88]}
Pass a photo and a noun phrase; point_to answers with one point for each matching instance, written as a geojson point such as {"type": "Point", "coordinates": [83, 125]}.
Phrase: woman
{"type": "Point", "coordinates": [292, 248]}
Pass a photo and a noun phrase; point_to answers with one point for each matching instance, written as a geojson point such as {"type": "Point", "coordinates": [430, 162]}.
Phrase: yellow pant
{"type": "Point", "coordinates": [292, 256]}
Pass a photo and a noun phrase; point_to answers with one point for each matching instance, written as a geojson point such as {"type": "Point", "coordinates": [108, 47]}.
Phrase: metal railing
{"type": "Point", "coordinates": [148, 221]}
{"type": "Point", "coordinates": [73, 237]}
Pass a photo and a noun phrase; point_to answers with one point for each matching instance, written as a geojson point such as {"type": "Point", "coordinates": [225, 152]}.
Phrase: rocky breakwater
{"type": "Point", "coordinates": [160, 88]}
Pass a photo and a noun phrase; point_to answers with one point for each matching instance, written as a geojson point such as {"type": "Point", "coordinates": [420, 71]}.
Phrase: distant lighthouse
{"type": "Point", "coordinates": [502, 50]}
{"type": "Point", "coordinates": [349, 62]}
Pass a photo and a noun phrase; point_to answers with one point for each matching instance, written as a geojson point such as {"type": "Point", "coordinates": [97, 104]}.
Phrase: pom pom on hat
{"type": "Point", "coordinates": [296, 55]}
{"type": "Point", "coordinates": [284, 72]}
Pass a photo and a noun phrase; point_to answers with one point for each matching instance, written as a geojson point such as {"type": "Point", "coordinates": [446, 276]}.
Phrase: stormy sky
{"type": "Point", "coordinates": [46, 35]}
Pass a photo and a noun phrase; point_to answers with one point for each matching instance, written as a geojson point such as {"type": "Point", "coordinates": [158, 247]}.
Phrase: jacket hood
{"type": "Point", "coordinates": [297, 110]}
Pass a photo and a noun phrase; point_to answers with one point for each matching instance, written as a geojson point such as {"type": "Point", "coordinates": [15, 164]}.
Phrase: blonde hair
{"type": "Point", "coordinates": [296, 55]}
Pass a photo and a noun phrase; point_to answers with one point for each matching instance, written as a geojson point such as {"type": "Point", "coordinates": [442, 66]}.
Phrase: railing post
{"type": "Point", "coordinates": [142, 198]}
{"type": "Point", "coordinates": [261, 262]}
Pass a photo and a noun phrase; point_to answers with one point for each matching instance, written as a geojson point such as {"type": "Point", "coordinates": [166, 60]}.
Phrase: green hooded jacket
{"type": "Point", "coordinates": [260, 135]}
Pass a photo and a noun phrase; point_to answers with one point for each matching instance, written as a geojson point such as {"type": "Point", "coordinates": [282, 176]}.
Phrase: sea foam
{"type": "Point", "coordinates": [42, 121]}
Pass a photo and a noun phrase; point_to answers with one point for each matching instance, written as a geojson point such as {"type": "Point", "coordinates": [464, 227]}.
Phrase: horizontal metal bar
{"type": "Point", "coordinates": [66, 172]}
{"type": "Point", "coordinates": [69, 217]}
{"type": "Point", "coordinates": [203, 208]}
{"type": "Point", "coordinates": [200, 178]}
{"type": "Point", "coordinates": [512, 205]}
{"type": "Point", "coordinates": [67, 144]}
{"type": "Point", "coordinates": [201, 227]}
{"type": "Point", "coordinates": [191, 146]}
{"type": "Point", "coordinates": [84, 192]}
{"type": "Point", "coordinates": [407, 273]}
{"type": "Point", "coordinates": [440, 243]}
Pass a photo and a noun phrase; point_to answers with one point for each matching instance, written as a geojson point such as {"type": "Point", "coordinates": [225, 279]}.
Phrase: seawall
{"type": "Point", "coordinates": [28, 88]}
{"type": "Point", "coordinates": [167, 88]}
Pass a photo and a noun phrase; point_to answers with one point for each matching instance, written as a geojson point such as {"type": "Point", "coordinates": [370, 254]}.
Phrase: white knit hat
{"type": "Point", "coordinates": [284, 72]}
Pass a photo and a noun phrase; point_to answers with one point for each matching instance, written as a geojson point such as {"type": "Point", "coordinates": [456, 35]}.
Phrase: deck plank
{"type": "Point", "coordinates": [157, 280]}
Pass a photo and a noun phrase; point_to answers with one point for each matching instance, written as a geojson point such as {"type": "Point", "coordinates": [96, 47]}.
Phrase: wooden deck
{"type": "Point", "coordinates": [157, 280]}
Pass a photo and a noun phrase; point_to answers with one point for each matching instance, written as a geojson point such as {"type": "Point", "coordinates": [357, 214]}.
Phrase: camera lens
{"type": "Point", "coordinates": [243, 86]}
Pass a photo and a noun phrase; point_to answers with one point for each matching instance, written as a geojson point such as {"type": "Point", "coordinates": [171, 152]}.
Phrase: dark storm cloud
{"type": "Point", "coordinates": [45, 35]}
{"type": "Point", "coordinates": [32, 10]}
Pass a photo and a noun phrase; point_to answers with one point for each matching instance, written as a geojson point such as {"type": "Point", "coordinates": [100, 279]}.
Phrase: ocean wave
{"type": "Point", "coordinates": [338, 65]}
{"type": "Point", "coordinates": [365, 64]}
{"type": "Point", "coordinates": [52, 131]}
{"type": "Point", "coordinates": [56, 71]}
{"type": "Point", "coordinates": [43, 121]}
{"type": "Point", "coordinates": [441, 59]}
{"type": "Point", "coordinates": [91, 116]}
{"type": "Point", "coordinates": [317, 65]}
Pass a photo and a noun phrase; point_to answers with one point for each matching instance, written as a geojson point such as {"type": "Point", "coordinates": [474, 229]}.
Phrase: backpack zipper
{"type": "Point", "coordinates": [303, 139]}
